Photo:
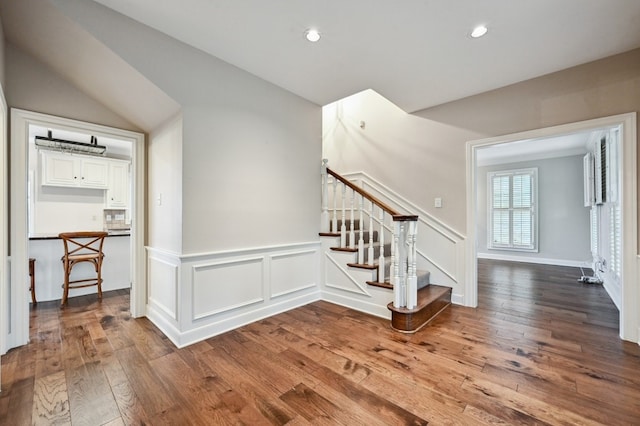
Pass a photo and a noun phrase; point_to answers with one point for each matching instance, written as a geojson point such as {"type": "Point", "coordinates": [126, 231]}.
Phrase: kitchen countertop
{"type": "Point", "coordinates": [114, 233]}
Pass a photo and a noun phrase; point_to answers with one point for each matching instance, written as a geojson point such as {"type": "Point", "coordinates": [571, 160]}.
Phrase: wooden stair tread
{"type": "Point", "coordinates": [381, 284]}
{"type": "Point", "coordinates": [329, 234]}
{"type": "Point", "coordinates": [363, 265]}
{"type": "Point", "coordinates": [346, 249]}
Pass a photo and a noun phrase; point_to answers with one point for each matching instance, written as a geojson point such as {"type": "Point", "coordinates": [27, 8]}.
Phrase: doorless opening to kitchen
{"type": "Point", "coordinates": [66, 176]}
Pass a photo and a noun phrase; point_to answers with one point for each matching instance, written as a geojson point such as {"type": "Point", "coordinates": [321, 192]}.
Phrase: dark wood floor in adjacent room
{"type": "Point", "coordinates": [541, 349]}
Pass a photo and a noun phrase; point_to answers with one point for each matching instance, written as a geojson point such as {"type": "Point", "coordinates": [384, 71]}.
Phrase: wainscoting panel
{"type": "Point", "coordinates": [217, 292]}
{"type": "Point", "coordinates": [163, 286]}
{"type": "Point", "coordinates": [347, 286]}
{"type": "Point", "coordinates": [292, 272]}
{"type": "Point", "coordinates": [440, 248]}
{"type": "Point", "coordinates": [224, 286]}
{"type": "Point", "coordinates": [341, 277]}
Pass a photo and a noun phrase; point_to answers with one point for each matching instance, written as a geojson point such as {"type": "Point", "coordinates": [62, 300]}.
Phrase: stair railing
{"type": "Point", "coordinates": [403, 268]}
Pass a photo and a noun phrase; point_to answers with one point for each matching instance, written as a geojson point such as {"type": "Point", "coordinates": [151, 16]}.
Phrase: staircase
{"type": "Point", "coordinates": [373, 251]}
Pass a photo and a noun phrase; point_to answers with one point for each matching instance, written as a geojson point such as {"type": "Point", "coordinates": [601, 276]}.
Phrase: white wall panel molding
{"type": "Point", "coordinates": [163, 273]}
{"type": "Point", "coordinates": [217, 292]}
{"type": "Point", "coordinates": [194, 257]}
{"type": "Point", "coordinates": [376, 188]}
{"type": "Point", "coordinates": [339, 278]}
{"type": "Point", "coordinates": [292, 272]}
{"type": "Point", "coordinates": [347, 286]}
{"type": "Point", "coordinates": [226, 286]}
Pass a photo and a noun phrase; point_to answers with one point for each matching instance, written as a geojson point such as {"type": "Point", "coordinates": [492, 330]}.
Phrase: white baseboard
{"type": "Point", "coordinates": [194, 297]}
{"type": "Point", "coordinates": [457, 299]}
{"type": "Point", "coordinates": [192, 336]}
{"type": "Point", "coordinates": [358, 304]}
{"type": "Point", "coordinates": [537, 260]}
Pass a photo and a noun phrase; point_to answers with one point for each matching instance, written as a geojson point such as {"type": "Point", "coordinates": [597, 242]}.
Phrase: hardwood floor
{"type": "Point", "coordinates": [541, 349]}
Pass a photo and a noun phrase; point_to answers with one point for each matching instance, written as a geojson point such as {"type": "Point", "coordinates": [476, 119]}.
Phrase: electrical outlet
{"type": "Point", "coordinates": [437, 202]}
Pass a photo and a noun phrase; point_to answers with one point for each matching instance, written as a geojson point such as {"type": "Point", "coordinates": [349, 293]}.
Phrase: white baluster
{"type": "Point", "coordinates": [412, 277]}
{"type": "Point", "coordinates": [352, 232]}
{"type": "Point", "coordinates": [381, 241]}
{"type": "Point", "coordinates": [402, 259]}
{"type": "Point", "coordinates": [343, 227]}
{"type": "Point", "coordinates": [334, 224]}
{"type": "Point", "coordinates": [394, 241]}
{"type": "Point", "coordinates": [398, 285]}
{"type": "Point", "coordinates": [324, 218]}
{"type": "Point", "coordinates": [361, 240]}
{"type": "Point", "coordinates": [370, 252]}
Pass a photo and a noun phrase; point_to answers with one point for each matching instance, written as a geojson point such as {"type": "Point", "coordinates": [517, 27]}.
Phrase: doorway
{"type": "Point", "coordinates": [21, 122]}
{"type": "Point", "coordinates": [629, 318]}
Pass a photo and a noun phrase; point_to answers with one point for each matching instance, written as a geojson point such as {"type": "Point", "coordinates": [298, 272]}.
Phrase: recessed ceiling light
{"type": "Point", "coordinates": [479, 31]}
{"type": "Point", "coordinates": [312, 35]}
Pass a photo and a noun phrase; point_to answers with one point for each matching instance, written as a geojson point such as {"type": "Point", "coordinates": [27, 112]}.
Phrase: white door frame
{"type": "Point", "coordinates": [630, 300]}
{"type": "Point", "coordinates": [20, 122]}
{"type": "Point", "coordinates": [4, 215]}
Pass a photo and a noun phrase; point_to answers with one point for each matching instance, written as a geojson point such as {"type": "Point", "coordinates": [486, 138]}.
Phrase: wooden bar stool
{"type": "Point", "coordinates": [85, 246]}
{"type": "Point", "coordinates": [32, 275]}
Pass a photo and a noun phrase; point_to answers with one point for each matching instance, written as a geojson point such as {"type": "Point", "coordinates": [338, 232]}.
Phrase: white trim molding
{"type": "Point", "coordinates": [536, 260]}
{"type": "Point", "coordinates": [630, 299]}
{"type": "Point", "coordinates": [4, 217]}
{"type": "Point", "coordinates": [20, 122]}
{"type": "Point", "coordinates": [196, 296]}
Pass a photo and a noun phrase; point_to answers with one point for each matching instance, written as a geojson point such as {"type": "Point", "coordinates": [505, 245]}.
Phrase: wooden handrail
{"type": "Point", "coordinates": [397, 217]}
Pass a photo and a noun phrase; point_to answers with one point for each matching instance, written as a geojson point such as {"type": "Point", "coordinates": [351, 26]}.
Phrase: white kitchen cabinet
{"type": "Point", "coordinates": [118, 190]}
{"type": "Point", "coordinates": [74, 170]}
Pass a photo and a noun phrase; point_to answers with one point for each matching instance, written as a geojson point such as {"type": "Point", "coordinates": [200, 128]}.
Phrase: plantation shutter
{"type": "Point", "coordinates": [512, 209]}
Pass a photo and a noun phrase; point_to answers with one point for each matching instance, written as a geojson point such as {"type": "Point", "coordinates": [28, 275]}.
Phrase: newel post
{"type": "Point", "coordinates": [324, 218]}
{"type": "Point", "coordinates": [399, 265]}
{"type": "Point", "coordinates": [404, 264]}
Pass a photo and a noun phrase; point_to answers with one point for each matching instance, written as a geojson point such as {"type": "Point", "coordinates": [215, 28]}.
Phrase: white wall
{"type": "Point", "coordinates": [564, 237]}
{"type": "Point", "coordinates": [2, 57]}
{"type": "Point", "coordinates": [33, 86]}
{"type": "Point", "coordinates": [416, 158]}
{"type": "Point", "coordinates": [235, 237]}
{"type": "Point", "coordinates": [250, 150]}
{"type": "Point", "coordinates": [164, 197]}
{"type": "Point", "coordinates": [601, 88]}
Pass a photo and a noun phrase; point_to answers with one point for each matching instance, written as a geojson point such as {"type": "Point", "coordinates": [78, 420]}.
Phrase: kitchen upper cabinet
{"type": "Point", "coordinates": [73, 170]}
{"type": "Point", "coordinates": [118, 191]}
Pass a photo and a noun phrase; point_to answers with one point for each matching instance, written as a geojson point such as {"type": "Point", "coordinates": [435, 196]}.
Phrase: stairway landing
{"type": "Point", "coordinates": [432, 300]}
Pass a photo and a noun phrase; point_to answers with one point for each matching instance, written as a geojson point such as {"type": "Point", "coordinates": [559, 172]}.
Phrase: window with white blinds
{"type": "Point", "coordinates": [512, 209]}
{"type": "Point", "coordinates": [595, 231]}
{"type": "Point", "coordinates": [614, 239]}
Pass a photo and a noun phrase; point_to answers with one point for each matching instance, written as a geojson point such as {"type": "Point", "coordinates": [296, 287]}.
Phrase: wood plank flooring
{"type": "Point", "coordinates": [541, 349]}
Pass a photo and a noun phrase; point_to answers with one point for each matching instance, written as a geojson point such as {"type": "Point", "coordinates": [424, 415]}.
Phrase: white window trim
{"type": "Point", "coordinates": [534, 234]}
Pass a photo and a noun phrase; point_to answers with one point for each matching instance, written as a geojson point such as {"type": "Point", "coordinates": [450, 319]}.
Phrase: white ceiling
{"type": "Point", "coordinates": [416, 53]}
{"type": "Point", "coordinates": [536, 149]}
{"type": "Point", "coordinates": [43, 31]}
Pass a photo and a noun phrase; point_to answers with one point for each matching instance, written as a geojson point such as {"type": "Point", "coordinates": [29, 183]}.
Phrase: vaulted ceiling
{"type": "Point", "coordinates": [416, 53]}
